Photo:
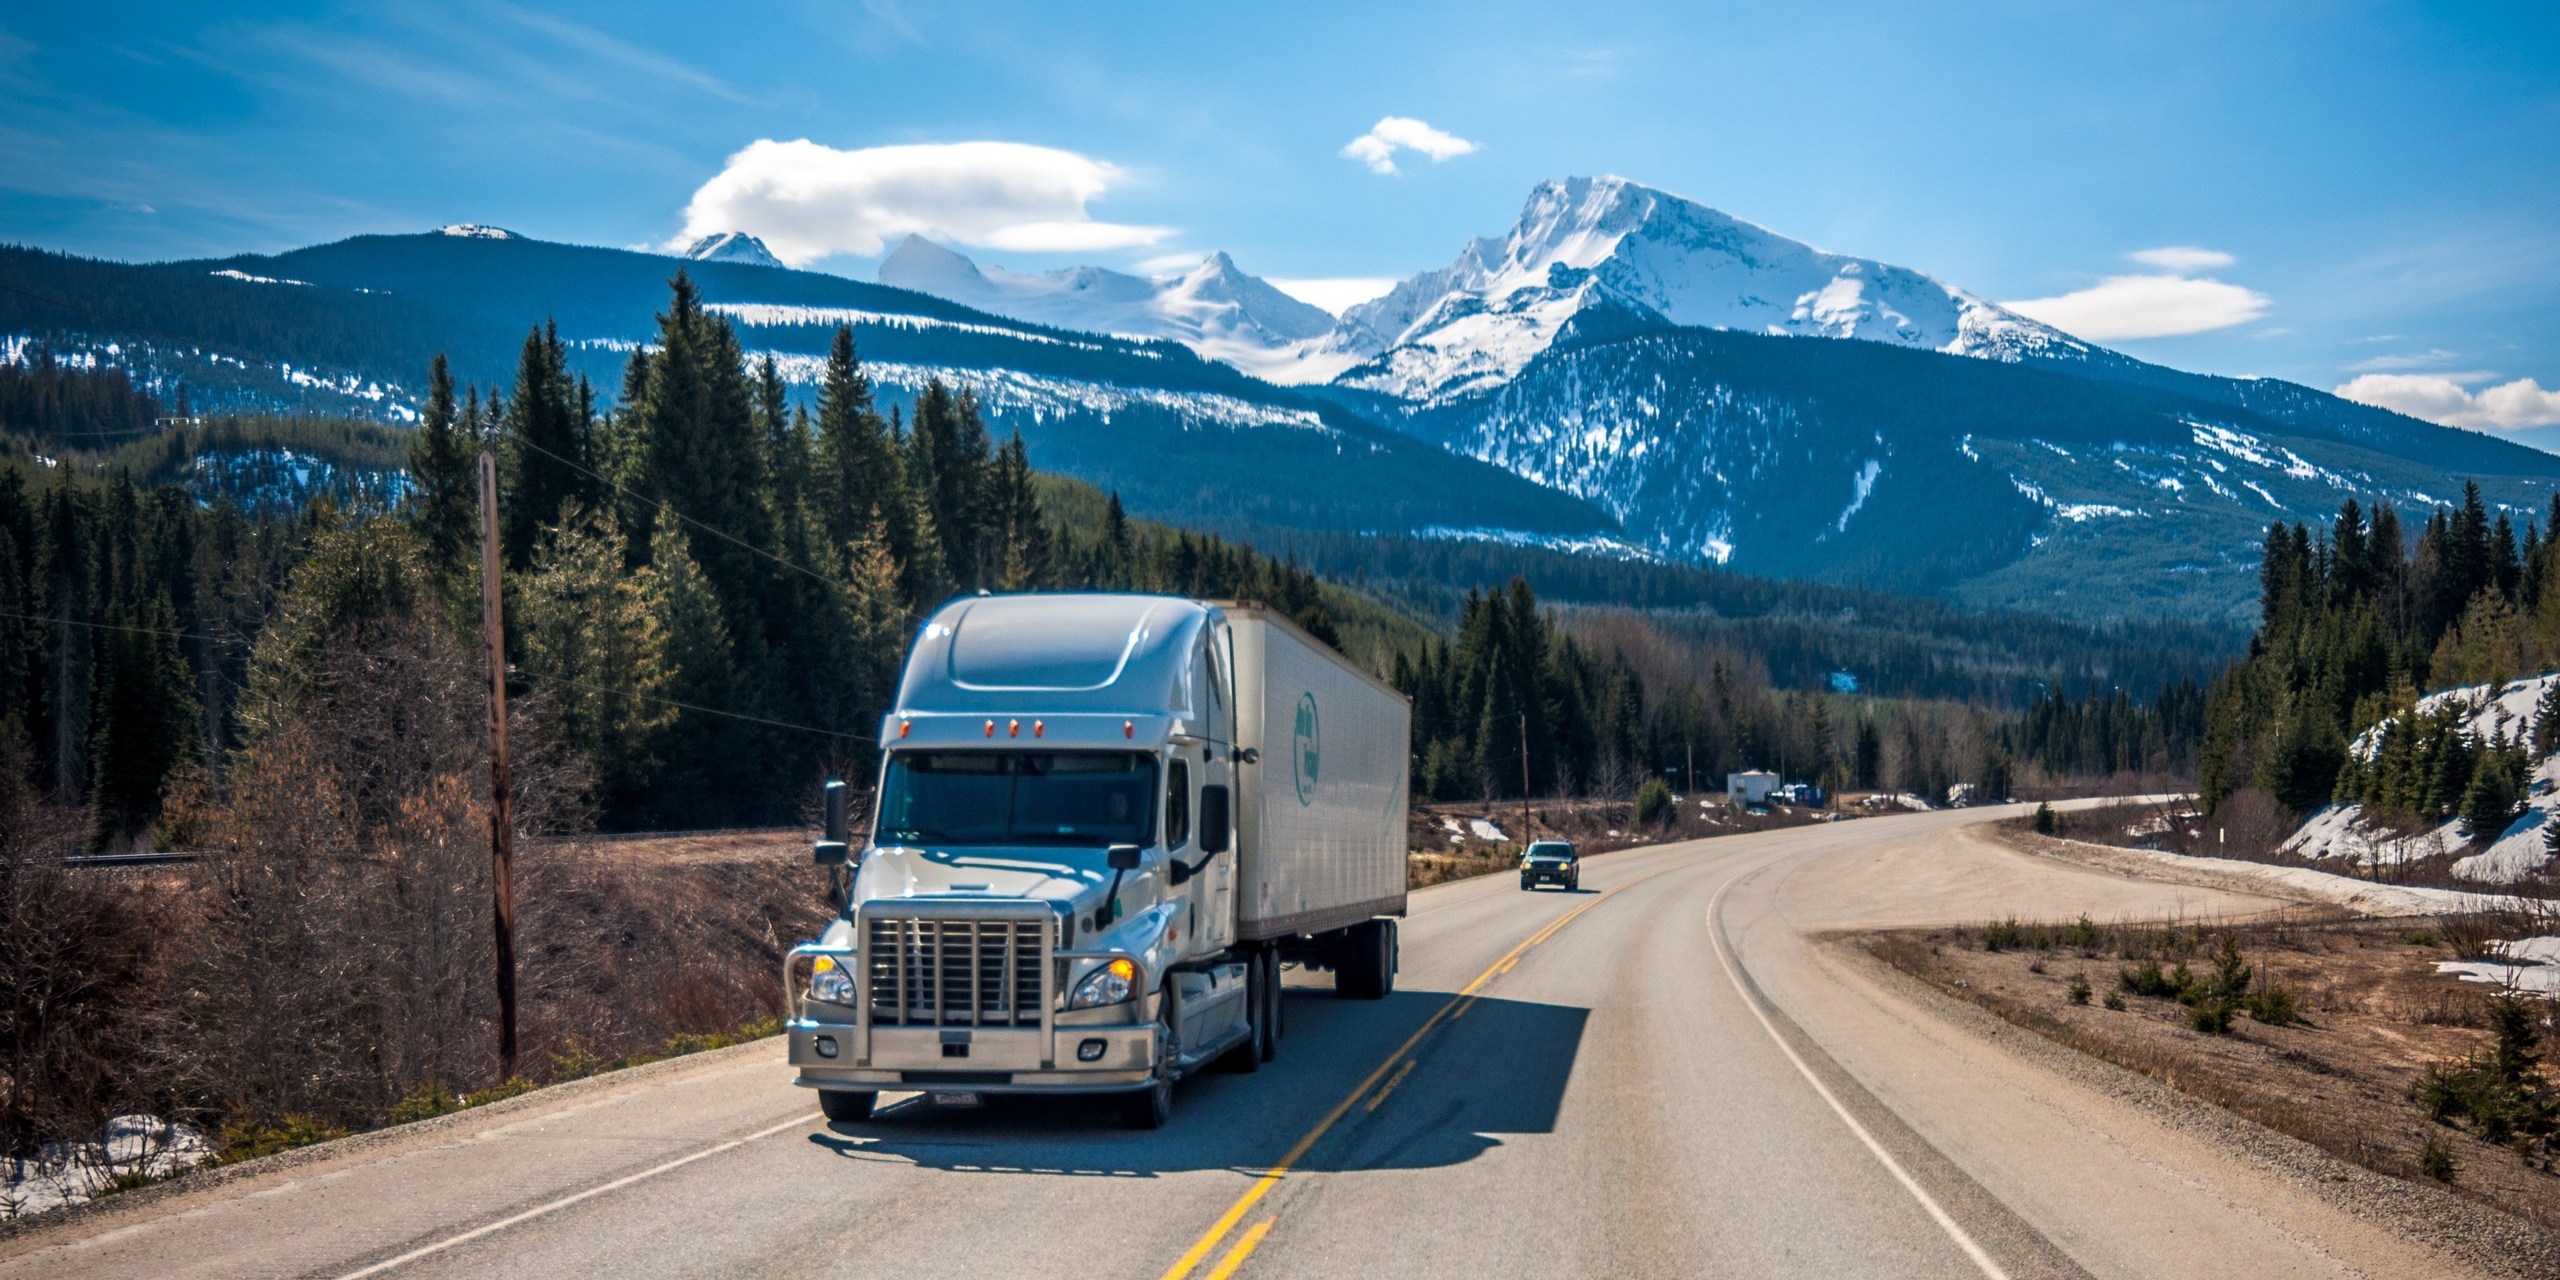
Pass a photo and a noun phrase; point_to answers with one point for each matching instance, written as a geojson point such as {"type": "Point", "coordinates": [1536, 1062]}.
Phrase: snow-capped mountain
{"type": "Point", "coordinates": [1215, 308]}
{"type": "Point", "coordinates": [1586, 243]}
{"type": "Point", "coordinates": [476, 231]}
{"type": "Point", "coordinates": [732, 246]}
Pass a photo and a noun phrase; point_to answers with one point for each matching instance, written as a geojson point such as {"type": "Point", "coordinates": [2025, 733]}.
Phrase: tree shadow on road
{"type": "Point", "coordinates": [1494, 1068]}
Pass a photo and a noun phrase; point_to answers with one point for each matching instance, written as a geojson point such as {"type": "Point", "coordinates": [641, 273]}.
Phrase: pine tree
{"type": "Point", "coordinates": [547, 446]}
{"type": "Point", "coordinates": [1021, 533]}
{"type": "Point", "coordinates": [444, 484]}
{"type": "Point", "coordinates": [596, 632]}
{"type": "Point", "coordinates": [145, 718]}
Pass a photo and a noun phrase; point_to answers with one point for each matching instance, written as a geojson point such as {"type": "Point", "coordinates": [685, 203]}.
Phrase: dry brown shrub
{"type": "Point", "coordinates": [77, 952]}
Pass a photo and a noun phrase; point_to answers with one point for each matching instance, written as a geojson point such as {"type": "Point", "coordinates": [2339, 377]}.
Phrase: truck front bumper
{"type": "Point", "coordinates": [1108, 1059]}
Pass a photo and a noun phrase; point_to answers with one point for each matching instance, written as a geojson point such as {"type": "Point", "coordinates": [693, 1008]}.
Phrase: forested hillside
{"type": "Point", "coordinates": [2360, 619]}
{"type": "Point", "coordinates": [708, 587]}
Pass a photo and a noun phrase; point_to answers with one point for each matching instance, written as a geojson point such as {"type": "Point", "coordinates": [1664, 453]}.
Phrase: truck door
{"type": "Point", "coordinates": [1216, 918]}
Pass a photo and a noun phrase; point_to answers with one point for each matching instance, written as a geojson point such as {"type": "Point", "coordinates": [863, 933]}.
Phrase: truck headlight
{"type": "Point", "coordinates": [1113, 983]}
{"type": "Point", "coordinates": [828, 981]}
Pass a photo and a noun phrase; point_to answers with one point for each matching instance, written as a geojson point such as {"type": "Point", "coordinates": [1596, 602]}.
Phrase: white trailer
{"type": "Point", "coordinates": [1104, 822]}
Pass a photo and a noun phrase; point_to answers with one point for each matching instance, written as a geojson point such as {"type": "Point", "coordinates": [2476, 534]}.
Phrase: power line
{"type": "Point", "coordinates": [906, 611]}
{"type": "Point", "coordinates": [724, 535]}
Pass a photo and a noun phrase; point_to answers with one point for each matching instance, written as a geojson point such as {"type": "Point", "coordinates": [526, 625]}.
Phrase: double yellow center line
{"type": "Point", "coordinates": [1449, 1012]}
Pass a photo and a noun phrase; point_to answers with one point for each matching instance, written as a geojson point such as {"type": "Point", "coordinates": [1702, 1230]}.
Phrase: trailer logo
{"type": "Point", "coordinates": [1307, 750]}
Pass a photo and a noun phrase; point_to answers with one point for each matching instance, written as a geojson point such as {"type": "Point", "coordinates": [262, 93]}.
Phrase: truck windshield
{"type": "Point", "coordinates": [1018, 797]}
{"type": "Point", "coordinates": [1546, 849]}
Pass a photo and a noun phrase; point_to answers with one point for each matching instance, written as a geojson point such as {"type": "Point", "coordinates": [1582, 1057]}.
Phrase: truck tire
{"type": "Point", "coordinates": [1272, 991]}
{"type": "Point", "coordinates": [1247, 1057]}
{"type": "Point", "coordinates": [1366, 968]}
{"type": "Point", "coordinates": [1151, 1107]}
{"type": "Point", "coordinates": [847, 1106]}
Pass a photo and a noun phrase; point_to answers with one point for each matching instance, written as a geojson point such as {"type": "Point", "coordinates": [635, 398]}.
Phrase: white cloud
{"type": "Point", "coordinates": [2182, 259]}
{"type": "Point", "coordinates": [1336, 294]}
{"type": "Point", "coordinates": [2436, 398]}
{"type": "Point", "coordinates": [1377, 148]}
{"type": "Point", "coordinates": [808, 201]}
{"type": "Point", "coordinates": [2149, 306]}
{"type": "Point", "coordinates": [2385, 363]}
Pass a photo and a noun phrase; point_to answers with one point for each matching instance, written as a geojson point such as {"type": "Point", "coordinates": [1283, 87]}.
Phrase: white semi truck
{"type": "Point", "coordinates": [1103, 824]}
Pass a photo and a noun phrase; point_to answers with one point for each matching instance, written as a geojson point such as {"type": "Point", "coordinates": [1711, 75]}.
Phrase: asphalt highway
{"type": "Point", "coordinates": [1669, 1073]}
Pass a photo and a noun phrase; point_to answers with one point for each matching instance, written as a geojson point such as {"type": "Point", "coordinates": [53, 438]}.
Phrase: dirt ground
{"type": "Point", "coordinates": [2373, 1013]}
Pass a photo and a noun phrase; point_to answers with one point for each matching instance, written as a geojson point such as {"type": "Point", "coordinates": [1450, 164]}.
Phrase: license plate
{"type": "Point", "coordinates": [958, 1099]}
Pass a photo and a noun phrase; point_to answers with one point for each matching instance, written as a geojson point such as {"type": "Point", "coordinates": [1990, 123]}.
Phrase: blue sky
{"type": "Point", "coordinates": [2359, 190]}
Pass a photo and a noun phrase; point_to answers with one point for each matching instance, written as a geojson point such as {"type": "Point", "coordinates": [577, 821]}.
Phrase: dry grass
{"type": "Point", "coordinates": [2373, 1015]}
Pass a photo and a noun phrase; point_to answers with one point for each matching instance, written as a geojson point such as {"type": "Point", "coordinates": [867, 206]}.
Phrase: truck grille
{"type": "Point", "coordinates": [957, 973]}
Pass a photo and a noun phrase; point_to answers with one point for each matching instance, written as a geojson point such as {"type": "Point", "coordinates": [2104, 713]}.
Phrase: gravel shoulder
{"type": "Point", "coordinates": [2324, 1101]}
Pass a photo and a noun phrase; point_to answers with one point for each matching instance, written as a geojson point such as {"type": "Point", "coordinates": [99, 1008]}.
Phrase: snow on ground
{"type": "Point", "coordinates": [1485, 830]}
{"type": "Point", "coordinates": [67, 1173]}
{"type": "Point", "coordinates": [2531, 964]}
{"type": "Point", "coordinates": [2339, 831]}
{"type": "Point", "coordinates": [2363, 897]}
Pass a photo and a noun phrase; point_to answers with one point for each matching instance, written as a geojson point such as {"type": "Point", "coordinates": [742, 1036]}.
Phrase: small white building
{"type": "Point", "coordinates": [1751, 786]}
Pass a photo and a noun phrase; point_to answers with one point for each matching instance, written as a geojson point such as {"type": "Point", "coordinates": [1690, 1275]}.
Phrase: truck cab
{"type": "Point", "coordinates": [1048, 898]}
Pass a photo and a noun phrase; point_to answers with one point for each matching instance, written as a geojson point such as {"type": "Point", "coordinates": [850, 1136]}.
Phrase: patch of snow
{"type": "Point", "coordinates": [1862, 485]}
{"type": "Point", "coordinates": [1587, 544]}
{"type": "Point", "coordinates": [68, 1173]}
{"type": "Point", "coordinates": [476, 231]}
{"type": "Point", "coordinates": [2528, 965]}
{"type": "Point", "coordinates": [1484, 830]}
{"type": "Point", "coordinates": [229, 274]}
{"type": "Point", "coordinates": [2340, 831]}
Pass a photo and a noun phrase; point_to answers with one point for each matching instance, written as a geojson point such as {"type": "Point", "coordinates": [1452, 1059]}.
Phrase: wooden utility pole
{"type": "Point", "coordinates": [502, 840]}
{"type": "Point", "coordinates": [1528, 828]}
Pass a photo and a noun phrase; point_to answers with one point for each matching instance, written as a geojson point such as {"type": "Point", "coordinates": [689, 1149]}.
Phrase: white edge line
{"type": "Point", "coordinates": [565, 1201]}
{"type": "Point", "coordinates": [1938, 1214]}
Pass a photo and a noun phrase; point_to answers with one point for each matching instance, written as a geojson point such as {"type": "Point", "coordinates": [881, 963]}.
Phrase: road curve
{"type": "Point", "coordinates": [1665, 1074]}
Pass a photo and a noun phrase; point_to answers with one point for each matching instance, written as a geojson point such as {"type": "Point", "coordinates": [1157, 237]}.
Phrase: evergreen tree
{"type": "Point", "coordinates": [547, 446]}
{"type": "Point", "coordinates": [1021, 533]}
{"type": "Point", "coordinates": [595, 632]}
{"type": "Point", "coordinates": [444, 482]}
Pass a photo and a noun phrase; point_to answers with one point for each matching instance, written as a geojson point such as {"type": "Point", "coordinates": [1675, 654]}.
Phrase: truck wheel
{"type": "Point", "coordinates": [1150, 1107]}
{"type": "Point", "coordinates": [846, 1106]}
{"type": "Point", "coordinates": [1248, 1057]}
{"type": "Point", "coordinates": [1524, 884]}
{"type": "Point", "coordinates": [1366, 967]}
{"type": "Point", "coordinates": [1272, 990]}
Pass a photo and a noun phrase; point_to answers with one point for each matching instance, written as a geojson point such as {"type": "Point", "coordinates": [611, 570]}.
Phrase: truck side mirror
{"type": "Point", "coordinates": [836, 848]}
{"type": "Point", "coordinates": [1121, 857]}
{"type": "Point", "coordinates": [1215, 821]}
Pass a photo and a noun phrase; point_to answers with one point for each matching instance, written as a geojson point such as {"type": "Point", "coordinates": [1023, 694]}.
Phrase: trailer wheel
{"type": "Point", "coordinates": [1366, 966]}
{"type": "Point", "coordinates": [1272, 990]}
{"type": "Point", "coordinates": [846, 1106]}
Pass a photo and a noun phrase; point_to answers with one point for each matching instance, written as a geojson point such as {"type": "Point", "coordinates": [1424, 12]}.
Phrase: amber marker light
{"type": "Point", "coordinates": [1128, 728]}
{"type": "Point", "coordinates": [905, 725]}
{"type": "Point", "coordinates": [1039, 728]}
{"type": "Point", "coordinates": [1013, 728]}
{"type": "Point", "coordinates": [991, 728]}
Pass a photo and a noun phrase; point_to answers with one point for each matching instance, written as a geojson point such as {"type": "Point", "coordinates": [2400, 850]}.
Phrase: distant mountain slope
{"type": "Point", "coordinates": [350, 327]}
{"type": "Point", "coordinates": [1608, 243]}
{"type": "Point", "coordinates": [732, 246]}
{"type": "Point", "coordinates": [2017, 485]}
{"type": "Point", "coordinates": [1215, 308]}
